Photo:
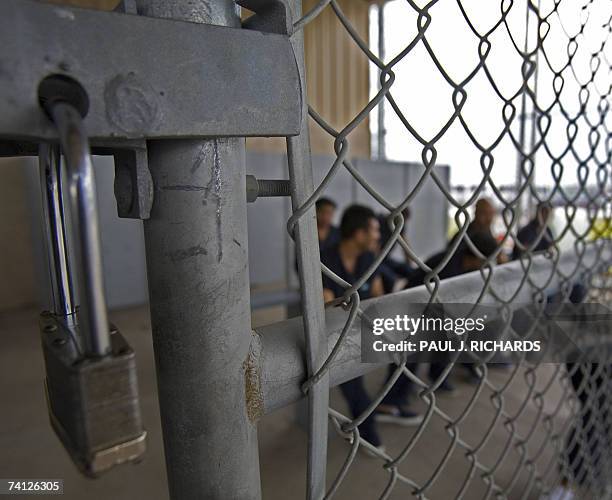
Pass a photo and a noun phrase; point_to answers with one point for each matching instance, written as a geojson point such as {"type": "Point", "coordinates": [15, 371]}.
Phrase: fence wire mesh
{"type": "Point", "coordinates": [560, 431]}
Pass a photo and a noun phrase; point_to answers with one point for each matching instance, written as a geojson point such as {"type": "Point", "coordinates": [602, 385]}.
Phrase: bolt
{"type": "Point", "coordinates": [59, 342]}
{"type": "Point", "coordinates": [259, 188]}
{"type": "Point", "coordinates": [50, 328]}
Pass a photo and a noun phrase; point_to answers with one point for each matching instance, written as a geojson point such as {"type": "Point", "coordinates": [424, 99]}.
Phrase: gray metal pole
{"type": "Point", "coordinates": [309, 268]}
{"type": "Point", "coordinates": [302, 184]}
{"type": "Point", "coordinates": [381, 146]}
{"type": "Point", "coordinates": [197, 260]}
{"type": "Point", "coordinates": [311, 288]}
{"type": "Point", "coordinates": [532, 141]}
{"type": "Point", "coordinates": [523, 118]}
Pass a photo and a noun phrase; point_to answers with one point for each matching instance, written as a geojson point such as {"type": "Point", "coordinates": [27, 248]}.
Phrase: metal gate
{"type": "Point", "coordinates": [173, 100]}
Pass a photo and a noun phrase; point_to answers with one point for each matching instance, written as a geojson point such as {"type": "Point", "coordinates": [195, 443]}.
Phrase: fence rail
{"type": "Point", "coordinates": [281, 347]}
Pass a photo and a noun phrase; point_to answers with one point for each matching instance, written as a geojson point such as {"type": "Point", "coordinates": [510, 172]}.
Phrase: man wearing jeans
{"type": "Point", "coordinates": [350, 259]}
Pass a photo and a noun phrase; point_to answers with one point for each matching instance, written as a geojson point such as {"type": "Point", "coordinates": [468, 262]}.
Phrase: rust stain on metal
{"type": "Point", "coordinates": [252, 380]}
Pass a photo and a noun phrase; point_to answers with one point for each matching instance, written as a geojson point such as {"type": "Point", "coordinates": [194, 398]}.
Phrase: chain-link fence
{"type": "Point", "coordinates": [559, 431]}
{"type": "Point", "coordinates": [494, 88]}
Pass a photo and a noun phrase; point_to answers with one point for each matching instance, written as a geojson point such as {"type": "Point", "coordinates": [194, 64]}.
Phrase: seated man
{"type": "Point", "coordinates": [536, 236]}
{"type": "Point", "coordinates": [485, 244]}
{"type": "Point", "coordinates": [536, 233]}
{"type": "Point", "coordinates": [463, 261]}
{"type": "Point", "coordinates": [350, 259]}
{"type": "Point", "coordinates": [392, 270]}
{"type": "Point", "coordinates": [329, 235]}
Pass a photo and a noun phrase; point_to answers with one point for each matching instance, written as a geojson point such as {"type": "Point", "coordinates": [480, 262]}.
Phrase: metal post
{"type": "Point", "coordinates": [309, 268]}
{"type": "Point", "coordinates": [381, 146]}
{"type": "Point", "coordinates": [534, 123]}
{"type": "Point", "coordinates": [197, 259]}
{"type": "Point", "coordinates": [523, 118]}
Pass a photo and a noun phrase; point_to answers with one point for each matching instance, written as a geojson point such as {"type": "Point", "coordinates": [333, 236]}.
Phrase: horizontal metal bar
{"type": "Point", "coordinates": [282, 357]}
{"type": "Point", "coordinates": [145, 78]}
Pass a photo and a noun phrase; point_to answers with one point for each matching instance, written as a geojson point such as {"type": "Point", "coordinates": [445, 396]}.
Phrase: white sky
{"type": "Point", "coordinates": [425, 97]}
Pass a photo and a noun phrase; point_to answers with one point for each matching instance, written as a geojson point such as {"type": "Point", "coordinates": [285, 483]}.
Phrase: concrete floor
{"type": "Point", "coordinates": [29, 449]}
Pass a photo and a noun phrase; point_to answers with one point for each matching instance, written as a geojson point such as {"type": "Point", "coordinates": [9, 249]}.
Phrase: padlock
{"type": "Point", "coordinates": [92, 401]}
{"type": "Point", "coordinates": [91, 383]}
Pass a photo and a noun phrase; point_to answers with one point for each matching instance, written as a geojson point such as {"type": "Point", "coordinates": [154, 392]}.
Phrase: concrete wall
{"type": "Point", "coordinates": [429, 208]}
{"type": "Point", "coordinates": [271, 251]}
{"type": "Point", "coordinates": [268, 242]}
{"type": "Point", "coordinates": [23, 273]}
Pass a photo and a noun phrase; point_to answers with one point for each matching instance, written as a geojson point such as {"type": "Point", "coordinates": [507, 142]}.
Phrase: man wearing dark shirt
{"type": "Point", "coordinates": [392, 269]}
{"type": "Point", "coordinates": [484, 215]}
{"type": "Point", "coordinates": [464, 261]}
{"type": "Point", "coordinates": [536, 236]}
{"type": "Point", "coordinates": [329, 235]}
{"type": "Point", "coordinates": [350, 259]}
{"type": "Point", "coordinates": [353, 254]}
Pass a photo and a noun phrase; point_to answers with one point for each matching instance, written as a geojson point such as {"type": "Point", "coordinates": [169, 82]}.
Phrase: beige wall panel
{"type": "Point", "coordinates": [337, 79]}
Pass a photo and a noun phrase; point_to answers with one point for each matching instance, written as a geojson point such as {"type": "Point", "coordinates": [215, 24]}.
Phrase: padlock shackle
{"type": "Point", "coordinates": [93, 320]}
{"type": "Point", "coordinates": [62, 288]}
